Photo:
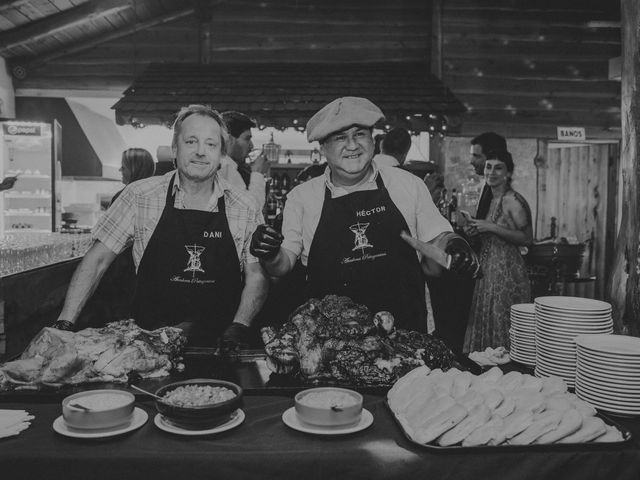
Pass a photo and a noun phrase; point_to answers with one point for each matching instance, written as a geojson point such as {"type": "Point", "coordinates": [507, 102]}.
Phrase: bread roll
{"type": "Point", "coordinates": [592, 428]}
{"type": "Point", "coordinates": [510, 381]}
{"type": "Point", "coordinates": [493, 398]}
{"type": "Point", "coordinates": [611, 435]}
{"type": "Point", "coordinates": [461, 384]}
{"type": "Point", "coordinates": [491, 375]}
{"type": "Point", "coordinates": [517, 422]}
{"type": "Point", "coordinates": [507, 407]}
{"type": "Point", "coordinates": [531, 382]}
{"type": "Point", "coordinates": [441, 423]}
{"type": "Point", "coordinates": [491, 433]}
{"type": "Point", "coordinates": [478, 416]}
{"type": "Point", "coordinates": [542, 423]}
{"type": "Point", "coordinates": [570, 423]}
{"type": "Point", "coordinates": [553, 384]}
{"type": "Point", "coordinates": [432, 409]}
{"type": "Point", "coordinates": [471, 399]}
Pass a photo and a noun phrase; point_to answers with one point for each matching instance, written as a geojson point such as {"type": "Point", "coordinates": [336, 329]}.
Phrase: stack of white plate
{"type": "Point", "coordinates": [522, 334]}
{"type": "Point", "coordinates": [608, 372]}
{"type": "Point", "coordinates": [558, 321]}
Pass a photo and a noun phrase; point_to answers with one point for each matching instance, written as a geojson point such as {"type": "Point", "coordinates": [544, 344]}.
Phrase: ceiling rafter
{"type": "Point", "coordinates": [88, 43]}
{"type": "Point", "coordinates": [40, 29]}
{"type": "Point", "coordinates": [9, 4]}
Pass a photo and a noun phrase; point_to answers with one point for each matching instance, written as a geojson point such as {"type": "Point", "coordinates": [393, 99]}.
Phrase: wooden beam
{"type": "Point", "coordinates": [472, 128]}
{"type": "Point", "coordinates": [84, 13]}
{"type": "Point", "coordinates": [526, 69]}
{"type": "Point", "coordinates": [95, 83]}
{"type": "Point", "coordinates": [87, 44]}
{"type": "Point", "coordinates": [9, 4]}
{"type": "Point", "coordinates": [515, 50]}
{"type": "Point", "coordinates": [436, 38]}
{"type": "Point", "coordinates": [542, 103]}
{"type": "Point", "coordinates": [604, 121]}
{"type": "Point", "coordinates": [626, 265]}
{"type": "Point", "coordinates": [463, 84]}
{"type": "Point", "coordinates": [278, 55]}
{"type": "Point", "coordinates": [500, 32]}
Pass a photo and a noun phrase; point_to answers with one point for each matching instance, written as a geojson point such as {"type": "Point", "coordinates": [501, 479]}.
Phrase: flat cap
{"type": "Point", "coordinates": [340, 114]}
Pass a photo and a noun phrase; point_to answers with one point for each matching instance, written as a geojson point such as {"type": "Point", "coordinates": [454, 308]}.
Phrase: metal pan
{"type": "Point", "coordinates": [626, 439]}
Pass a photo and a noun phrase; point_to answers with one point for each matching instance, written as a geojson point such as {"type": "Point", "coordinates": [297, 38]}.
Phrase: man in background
{"type": "Point", "coordinates": [481, 145]}
{"type": "Point", "coordinates": [394, 148]}
{"type": "Point", "coordinates": [234, 167]}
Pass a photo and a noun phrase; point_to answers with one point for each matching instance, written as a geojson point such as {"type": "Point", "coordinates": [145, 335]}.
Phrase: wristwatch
{"type": "Point", "coordinates": [64, 325]}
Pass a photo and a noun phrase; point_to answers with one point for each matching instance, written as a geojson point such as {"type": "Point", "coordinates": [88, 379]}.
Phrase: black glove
{"type": "Point", "coordinates": [8, 183]}
{"type": "Point", "coordinates": [235, 337]}
{"type": "Point", "coordinates": [265, 242]}
{"type": "Point", "coordinates": [464, 260]}
{"type": "Point", "coordinates": [64, 325]}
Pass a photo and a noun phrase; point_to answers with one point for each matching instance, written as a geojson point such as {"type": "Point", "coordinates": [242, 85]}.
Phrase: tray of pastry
{"type": "Point", "coordinates": [456, 411]}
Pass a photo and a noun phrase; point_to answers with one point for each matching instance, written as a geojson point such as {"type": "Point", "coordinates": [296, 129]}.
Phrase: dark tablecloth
{"type": "Point", "coordinates": [263, 447]}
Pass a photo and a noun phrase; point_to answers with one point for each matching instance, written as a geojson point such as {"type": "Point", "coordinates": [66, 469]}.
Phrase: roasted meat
{"type": "Point", "coordinates": [56, 357]}
{"type": "Point", "coordinates": [336, 339]}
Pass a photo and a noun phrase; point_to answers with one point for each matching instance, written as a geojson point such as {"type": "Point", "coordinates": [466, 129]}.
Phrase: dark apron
{"type": "Point", "coordinates": [189, 272]}
{"type": "Point", "coordinates": [357, 251]}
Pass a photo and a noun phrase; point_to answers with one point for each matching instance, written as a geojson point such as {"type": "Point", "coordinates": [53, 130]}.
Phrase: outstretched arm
{"type": "Point", "coordinates": [254, 294]}
{"type": "Point", "coordinates": [85, 280]}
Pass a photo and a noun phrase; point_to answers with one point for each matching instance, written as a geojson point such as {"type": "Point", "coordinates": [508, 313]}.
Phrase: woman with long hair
{"type": "Point", "coordinates": [137, 163]}
{"type": "Point", "coordinates": [501, 231]}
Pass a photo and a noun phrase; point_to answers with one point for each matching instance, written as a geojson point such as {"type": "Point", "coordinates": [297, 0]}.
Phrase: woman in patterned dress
{"type": "Point", "coordinates": [505, 229]}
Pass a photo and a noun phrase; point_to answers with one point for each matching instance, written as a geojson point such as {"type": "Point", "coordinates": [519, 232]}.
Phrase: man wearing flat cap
{"type": "Point", "coordinates": [349, 226]}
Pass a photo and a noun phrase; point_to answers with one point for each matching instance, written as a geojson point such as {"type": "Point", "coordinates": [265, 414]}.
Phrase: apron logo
{"type": "Point", "coordinates": [361, 241]}
{"type": "Point", "coordinates": [212, 234]}
{"type": "Point", "coordinates": [194, 264]}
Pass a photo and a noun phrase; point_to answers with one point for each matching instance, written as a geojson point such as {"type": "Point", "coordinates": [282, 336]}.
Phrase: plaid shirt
{"type": "Point", "coordinates": [134, 215]}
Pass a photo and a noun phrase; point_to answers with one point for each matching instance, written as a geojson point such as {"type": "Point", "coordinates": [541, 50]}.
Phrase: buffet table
{"type": "Point", "coordinates": [264, 447]}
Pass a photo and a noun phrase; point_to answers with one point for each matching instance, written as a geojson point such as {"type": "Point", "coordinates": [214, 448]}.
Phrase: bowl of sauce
{"type": "Point", "coordinates": [328, 406]}
{"type": "Point", "coordinates": [96, 409]}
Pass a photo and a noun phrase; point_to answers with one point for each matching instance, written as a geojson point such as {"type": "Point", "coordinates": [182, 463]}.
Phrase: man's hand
{"type": "Point", "coordinates": [260, 164]}
{"type": "Point", "coordinates": [265, 242]}
{"type": "Point", "coordinates": [464, 260]}
{"type": "Point", "coordinates": [234, 338]}
{"type": "Point", "coordinates": [8, 183]}
{"type": "Point", "coordinates": [65, 325]}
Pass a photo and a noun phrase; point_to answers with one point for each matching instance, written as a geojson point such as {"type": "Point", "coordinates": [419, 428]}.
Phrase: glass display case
{"type": "Point", "coordinates": [30, 152]}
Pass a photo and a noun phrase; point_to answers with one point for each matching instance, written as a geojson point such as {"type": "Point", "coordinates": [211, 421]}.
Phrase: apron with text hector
{"type": "Point", "coordinates": [189, 272]}
{"type": "Point", "coordinates": [357, 251]}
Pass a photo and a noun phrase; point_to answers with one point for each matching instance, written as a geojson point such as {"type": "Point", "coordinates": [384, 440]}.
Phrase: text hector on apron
{"type": "Point", "coordinates": [357, 251]}
{"type": "Point", "coordinates": [189, 272]}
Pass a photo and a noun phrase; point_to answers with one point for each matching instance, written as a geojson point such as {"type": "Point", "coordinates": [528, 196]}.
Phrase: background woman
{"type": "Point", "coordinates": [137, 163]}
{"type": "Point", "coordinates": [505, 228]}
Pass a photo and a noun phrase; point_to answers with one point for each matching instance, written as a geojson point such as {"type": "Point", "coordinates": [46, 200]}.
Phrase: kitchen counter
{"type": "Point", "coordinates": [264, 447]}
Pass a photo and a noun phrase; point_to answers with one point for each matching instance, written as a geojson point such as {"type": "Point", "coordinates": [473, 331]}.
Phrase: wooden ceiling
{"type": "Point", "coordinates": [521, 67]}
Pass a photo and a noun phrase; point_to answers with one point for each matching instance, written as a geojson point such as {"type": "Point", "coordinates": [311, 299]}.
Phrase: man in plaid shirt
{"type": "Point", "coordinates": [190, 230]}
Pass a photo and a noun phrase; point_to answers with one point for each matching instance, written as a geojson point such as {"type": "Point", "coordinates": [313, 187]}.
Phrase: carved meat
{"type": "Point", "coordinates": [336, 339]}
{"type": "Point", "coordinates": [56, 357]}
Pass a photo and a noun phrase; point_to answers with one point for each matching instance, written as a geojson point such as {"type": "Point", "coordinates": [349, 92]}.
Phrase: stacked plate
{"type": "Point", "coordinates": [558, 321]}
{"type": "Point", "coordinates": [608, 372]}
{"type": "Point", "coordinates": [522, 334]}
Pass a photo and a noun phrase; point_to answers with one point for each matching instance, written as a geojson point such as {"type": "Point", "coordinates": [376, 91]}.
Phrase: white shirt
{"type": "Point", "coordinates": [257, 184]}
{"type": "Point", "coordinates": [408, 192]}
{"type": "Point", "coordinates": [384, 160]}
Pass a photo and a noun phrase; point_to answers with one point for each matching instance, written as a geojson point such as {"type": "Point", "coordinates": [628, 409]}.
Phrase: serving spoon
{"type": "Point", "coordinates": [148, 393]}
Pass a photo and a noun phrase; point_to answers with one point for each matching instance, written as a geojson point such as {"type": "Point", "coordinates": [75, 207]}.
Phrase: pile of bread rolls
{"type": "Point", "coordinates": [459, 408]}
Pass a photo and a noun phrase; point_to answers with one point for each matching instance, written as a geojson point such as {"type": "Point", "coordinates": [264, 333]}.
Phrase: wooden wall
{"type": "Point", "coordinates": [574, 187]}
